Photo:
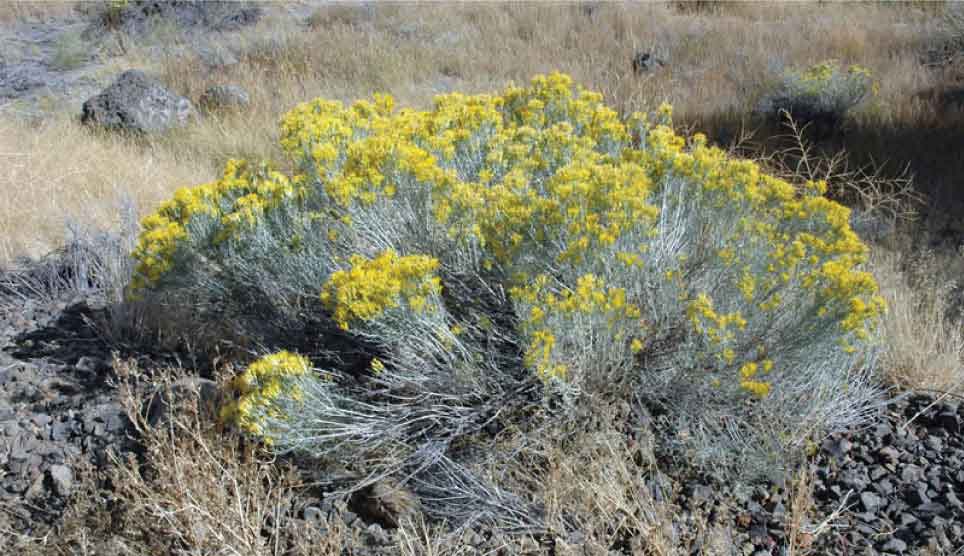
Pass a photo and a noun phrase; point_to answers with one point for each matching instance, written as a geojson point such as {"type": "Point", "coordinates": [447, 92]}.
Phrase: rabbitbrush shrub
{"type": "Point", "coordinates": [821, 94]}
{"type": "Point", "coordinates": [621, 258]}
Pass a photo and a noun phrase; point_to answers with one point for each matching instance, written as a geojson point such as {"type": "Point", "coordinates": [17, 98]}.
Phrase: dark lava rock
{"type": "Point", "coordinates": [889, 454]}
{"type": "Point", "coordinates": [837, 447]}
{"type": "Point", "coordinates": [894, 545]}
{"type": "Point", "coordinates": [136, 103]}
{"type": "Point", "coordinates": [645, 62]}
{"type": "Point", "coordinates": [950, 421]}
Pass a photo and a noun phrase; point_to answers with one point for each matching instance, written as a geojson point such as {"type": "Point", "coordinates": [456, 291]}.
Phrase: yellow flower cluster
{"type": "Point", "coordinates": [591, 296]}
{"type": "Point", "coordinates": [238, 199]}
{"type": "Point", "coordinates": [717, 327]}
{"type": "Point", "coordinates": [372, 286]}
{"type": "Point", "coordinates": [749, 371]}
{"type": "Point", "coordinates": [263, 382]}
{"type": "Point", "coordinates": [806, 238]}
{"type": "Point", "coordinates": [545, 169]}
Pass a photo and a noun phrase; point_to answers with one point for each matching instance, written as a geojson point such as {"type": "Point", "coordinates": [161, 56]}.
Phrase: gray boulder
{"type": "Point", "coordinates": [224, 97]}
{"type": "Point", "coordinates": [134, 102]}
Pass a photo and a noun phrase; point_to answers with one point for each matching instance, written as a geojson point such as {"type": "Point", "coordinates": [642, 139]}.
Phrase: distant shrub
{"type": "Point", "coordinates": [632, 263]}
{"type": "Point", "coordinates": [70, 52]}
{"type": "Point", "coordinates": [821, 94]}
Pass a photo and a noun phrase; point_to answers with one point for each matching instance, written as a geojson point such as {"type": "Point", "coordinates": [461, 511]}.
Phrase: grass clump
{"type": "Point", "coordinates": [455, 253]}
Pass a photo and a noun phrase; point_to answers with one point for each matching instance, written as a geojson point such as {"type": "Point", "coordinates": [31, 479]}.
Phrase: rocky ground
{"type": "Point", "coordinates": [899, 483]}
{"type": "Point", "coordinates": [56, 409]}
{"type": "Point", "coordinates": [42, 62]}
{"type": "Point", "coordinates": [59, 62]}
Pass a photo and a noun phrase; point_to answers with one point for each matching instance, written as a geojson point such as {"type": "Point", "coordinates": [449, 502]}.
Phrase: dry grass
{"type": "Point", "coordinates": [718, 63]}
{"type": "Point", "coordinates": [593, 486]}
{"type": "Point", "coordinates": [923, 349]}
{"type": "Point", "coordinates": [57, 172]}
{"type": "Point", "coordinates": [12, 11]}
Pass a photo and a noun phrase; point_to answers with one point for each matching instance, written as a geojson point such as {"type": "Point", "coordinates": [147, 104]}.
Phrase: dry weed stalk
{"type": "Point", "coordinates": [800, 529]}
{"type": "Point", "coordinates": [869, 190]}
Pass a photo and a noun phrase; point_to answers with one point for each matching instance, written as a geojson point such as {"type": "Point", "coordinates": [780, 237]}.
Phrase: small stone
{"type": "Point", "coordinates": [933, 508]}
{"type": "Point", "coordinates": [917, 496]}
{"type": "Point", "coordinates": [949, 421]}
{"type": "Point", "coordinates": [934, 443]}
{"type": "Point", "coordinates": [837, 447]}
{"type": "Point", "coordinates": [877, 472]}
{"type": "Point", "coordinates": [894, 545]}
{"type": "Point", "coordinates": [889, 454]}
{"type": "Point", "coordinates": [855, 478]}
{"type": "Point", "coordinates": [864, 528]}
{"type": "Point", "coordinates": [870, 501]}
{"type": "Point", "coordinates": [224, 97]}
{"type": "Point", "coordinates": [911, 473]}
{"type": "Point", "coordinates": [378, 535]}
{"type": "Point", "coordinates": [41, 419]}
{"type": "Point", "coordinates": [951, 498]}
{"type": "Point", "coordinates": [759, 535]}
{"type": "Point", "coordinates": [7, 414]}
{"type": "Point", "coordinates": [62, 478]}
{"type": "Point", "coordinates": [867, 517]}
{"type": "Point", "coordinates": [906, 519]}
{"type": "Point", "coordinates": [884, 488]}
